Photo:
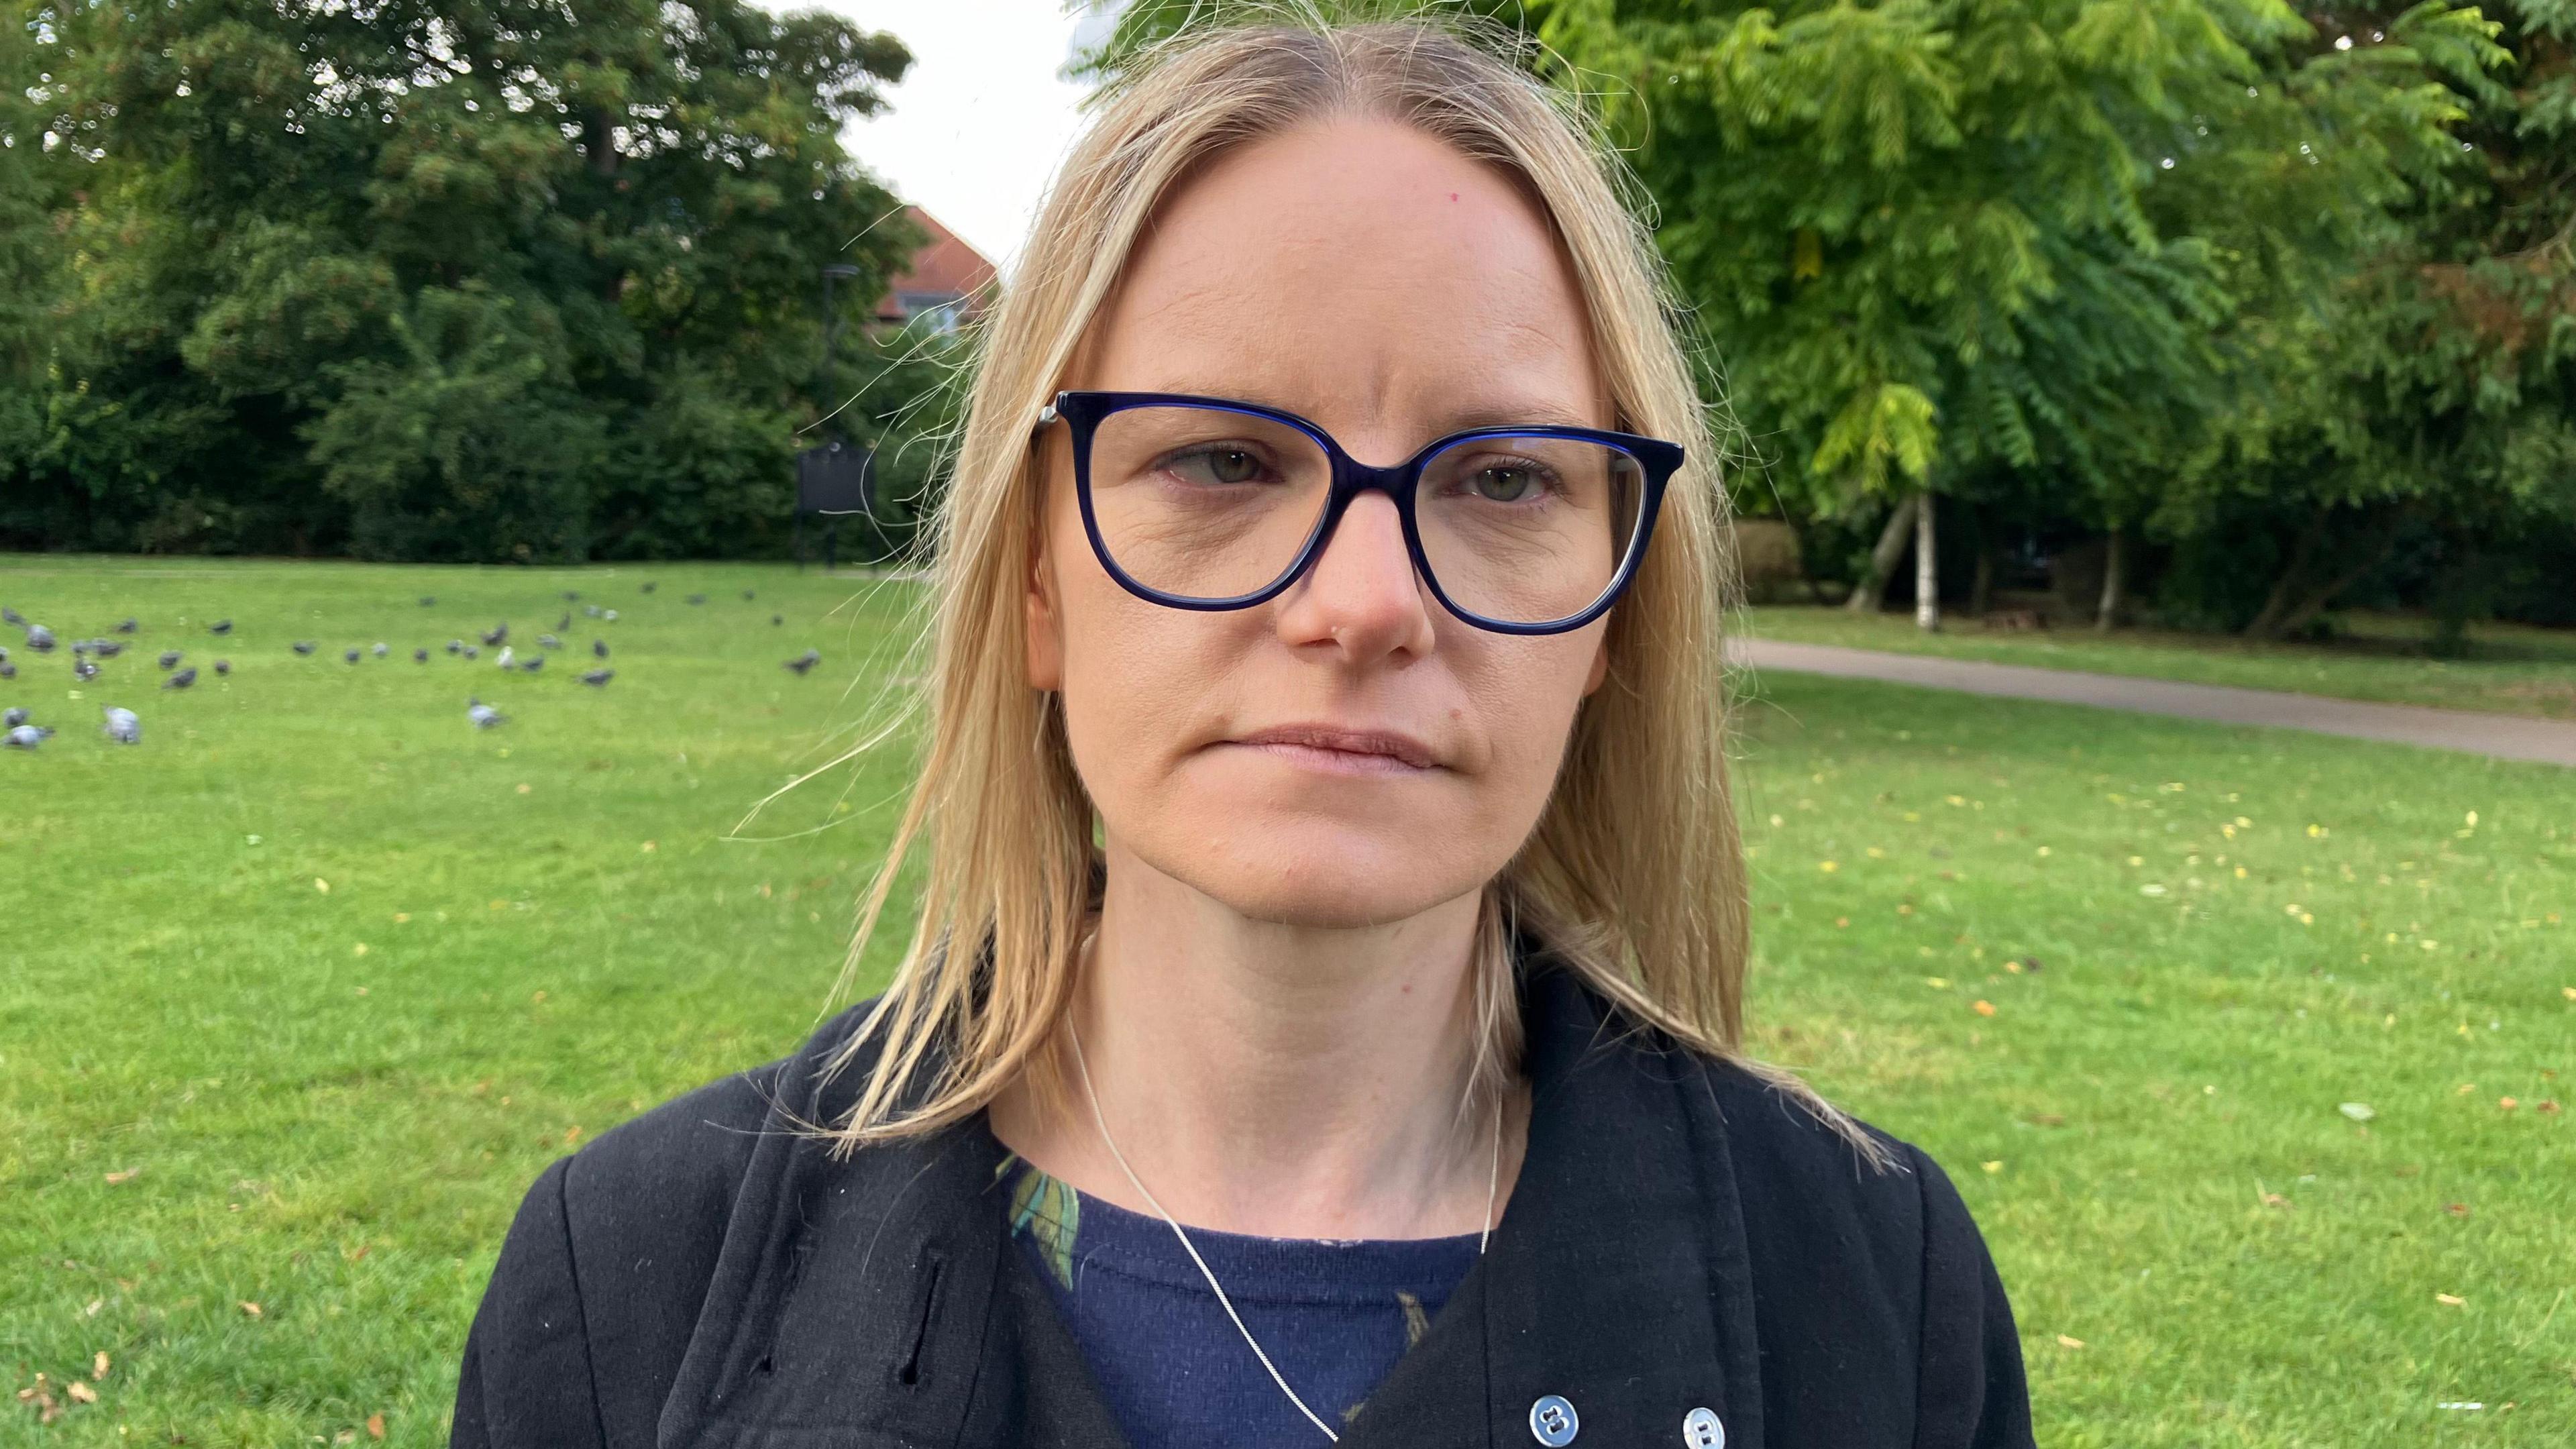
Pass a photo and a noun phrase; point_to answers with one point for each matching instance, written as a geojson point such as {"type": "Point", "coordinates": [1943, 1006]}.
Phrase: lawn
{"type": "Point", "coordinates": [222, 1084]}
{"type": "Point", "coordinates": [2509, 669]}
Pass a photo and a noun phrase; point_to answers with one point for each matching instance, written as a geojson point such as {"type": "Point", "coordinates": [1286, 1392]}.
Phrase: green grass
{"type": "Point", "coordinates": [2509, 669]}
{"type": "Point", "coordinates": [184, 1001]}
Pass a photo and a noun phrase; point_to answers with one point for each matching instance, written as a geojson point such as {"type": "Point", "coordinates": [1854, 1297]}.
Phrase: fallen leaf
{"type": "Point", "coordinates": [1996, 1166]}
{"type": "Point", "coordinates": [250, 1308]}
{"type": "Point", "coordinates": [1983, 1008]}
{"type": "Point", "coordinates": [375, 1426]}
{"type": "Point", "coordinates": [2065, 1342]}
{"type": "Point", "coordinates": [2456, 1209]}
{"type": "Point", "coordinates": [2548, 1105]}
{"type": "Point", "coordinates": [2507, 1103]}
{"type": "Point", "coordinates": [122, 1175]}
{"type": "Point", "coordinates": [1937, 983]}
{"type": "Point", "coordinates": [98, 1365]}
{"type": "Point", "coordinates": [524, 789]}
{"type": "Point", "coordinates": [80, 1392]}
{"type": "Point", "coordinates": [2357, 1111]}
{"type": "Point", "coordinates": [2450, 1299]}
{"type": "Point", "coordinates": [572, 1134]}
{"type": "Point", "coordinates": [321, 885]}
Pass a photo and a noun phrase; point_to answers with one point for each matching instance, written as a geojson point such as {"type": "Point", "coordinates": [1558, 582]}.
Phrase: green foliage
{"type": "Point", "coordinates": [450, 281]}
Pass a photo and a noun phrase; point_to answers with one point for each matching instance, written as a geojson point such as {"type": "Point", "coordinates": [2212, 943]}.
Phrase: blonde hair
{"type": "Point", "coordinates": [1634, 877]}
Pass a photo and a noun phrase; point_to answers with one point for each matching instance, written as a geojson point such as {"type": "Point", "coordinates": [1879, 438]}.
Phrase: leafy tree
{"type": "Point", "coordinates": [442, 278]}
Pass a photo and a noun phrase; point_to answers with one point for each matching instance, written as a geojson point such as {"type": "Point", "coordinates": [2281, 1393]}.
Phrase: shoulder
{"type": "Point", "coordinates": [1856, 1261]}
{"type": "Point", "coordinates": [609, 1258]}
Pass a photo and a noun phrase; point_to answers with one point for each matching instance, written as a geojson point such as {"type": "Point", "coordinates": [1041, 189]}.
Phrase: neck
{"type": "Point", "coordinates": [1288, 1081]}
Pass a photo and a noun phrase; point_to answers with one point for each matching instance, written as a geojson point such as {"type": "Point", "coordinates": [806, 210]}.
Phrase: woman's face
{"type": "Point", "coordinates": [1348, 753]}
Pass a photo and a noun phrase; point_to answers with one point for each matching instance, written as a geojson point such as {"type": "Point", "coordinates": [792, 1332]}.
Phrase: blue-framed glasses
{"type": "Point", "coordinates": [1208, 503]}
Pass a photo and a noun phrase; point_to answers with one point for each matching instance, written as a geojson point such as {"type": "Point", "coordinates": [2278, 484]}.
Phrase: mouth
{"type": "Point", "coordinates": [1342, 751]}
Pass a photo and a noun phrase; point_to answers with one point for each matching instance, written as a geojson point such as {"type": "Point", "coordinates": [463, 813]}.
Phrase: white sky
{"type": "Point", "coordinates": [975, 130]}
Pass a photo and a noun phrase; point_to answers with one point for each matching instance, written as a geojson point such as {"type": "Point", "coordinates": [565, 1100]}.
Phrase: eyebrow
{"type": "Point", "coordinates": [1457, 420]}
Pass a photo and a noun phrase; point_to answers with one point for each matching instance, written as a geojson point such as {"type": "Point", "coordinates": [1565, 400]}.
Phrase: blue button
{"type": "Point", "coordinates": [1553, 1422]}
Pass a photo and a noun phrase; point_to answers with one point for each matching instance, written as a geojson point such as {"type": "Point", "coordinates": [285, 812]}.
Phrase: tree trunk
{"type": "Point", "coordinates": [2114, 564]}
{"type": "Point", "coordinates": [1927, 578]}
{"type": "Point", "coordinates": [1981, 593]}
{"type": "Point", "coordinates": [1870, 593]}
{"type": "Point", "coordinates": [2294, 602]}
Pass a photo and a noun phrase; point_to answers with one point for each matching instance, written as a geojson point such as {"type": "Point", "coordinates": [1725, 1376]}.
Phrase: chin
{"type": "Point", "coordinates": [1297, 869]}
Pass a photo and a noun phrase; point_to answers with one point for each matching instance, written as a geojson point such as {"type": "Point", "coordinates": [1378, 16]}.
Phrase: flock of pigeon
{"type": "Point", "coordinates": [18, 731]}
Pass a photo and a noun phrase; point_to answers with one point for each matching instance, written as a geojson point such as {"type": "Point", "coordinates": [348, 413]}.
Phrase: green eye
{"type": "Point", "coordinates": [1218, 464]}
{"type": "Point", "coordinates": [1505, 484]}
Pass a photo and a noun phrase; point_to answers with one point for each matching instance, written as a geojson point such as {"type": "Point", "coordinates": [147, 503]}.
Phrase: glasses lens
{"type": "Point", "coordinates": [1528, 530]}
{"type": "Point", "coordinates": [1205, 503]}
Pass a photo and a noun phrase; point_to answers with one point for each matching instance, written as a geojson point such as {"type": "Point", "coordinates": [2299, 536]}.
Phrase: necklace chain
{"type": "Point", "coordinates": [1493, 1184]}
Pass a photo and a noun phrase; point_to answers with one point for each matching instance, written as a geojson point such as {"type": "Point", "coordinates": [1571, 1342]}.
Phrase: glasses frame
{"type": "Point", "coordinates": [1656, 460]}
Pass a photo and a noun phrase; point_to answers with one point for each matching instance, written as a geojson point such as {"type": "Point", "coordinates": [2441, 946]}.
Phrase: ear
{"type": "Point", "coordinates": [1045, 627]}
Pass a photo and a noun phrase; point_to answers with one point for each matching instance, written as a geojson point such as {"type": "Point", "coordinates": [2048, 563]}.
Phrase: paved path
{"type": "Point", "coordinates": [2504, 736]}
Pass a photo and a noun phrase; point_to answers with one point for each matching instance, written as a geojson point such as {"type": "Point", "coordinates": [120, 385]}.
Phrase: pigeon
{"type": "Point", "coordinates": [572, 596]}
{"type": "Point", "coordinates": [428, 601]}
{"type": "Point", "coordinates": [26, 737]}
{"type": "Point", "coordinates": [122, 726]}
{"type": "Point", "coordinates": [169, 659]}
{"type": "Point", "coordinates": [473, 653]}
{"type": "Point", "coordinates": [483, 715]}
{"type": "Point", "coordinates": [83, 670]}
{"type": "Point", "coordinates": [182, 679]}
{"type": "Point", "coordinates": [12, 618]}
{"type": "Point", "coordinates": [532, 663]}
{"type": "Point", "coordinates": [4, 652]}
{"type": "Point", "coordinates": [697, 598]}
{"type": "Point", "coordinates": [220, 626]}
{"type": "Point", "coordinates": [746, 593]}
{"type": "Point", "coordinates": [420, 656]}
{"type": "Point", "coordinates": [223, 666]}
{"type": "Point", "coordinates": [106, 648]}
{"type": "Point", "coordinates": [350, 653]}
{"type": "Point", "coordinates": [125, 628]}
{"type": "Point", "coordinates": [778, 618]}
{"type": "Point", "coordinates": [379, 650]}
{"type": "Point", "coordinates": [496, 633]}
{"type": "Point", "coordinates": [8, 670]}
{"type": "Point", "coordinates": [599, 648]}
{"type": "Point", "coordinates": [649, 587]}
{"type": "Point", "coordinates": [40, 638]}
{"type": "Point", "coordinates": [507, 654]}
{"type": "Point", "coordinates": [14, 718]}
{"type": "Point", "coordinates": [455, 646]}
{"type": "Point", "coordinates": [566, 621]}
{"type": "Point", "coordinates": [591, 610]}
{"type": "Point", "coordinates": [610, 616]}
{"type": "Point", "coordinates": [303, 646]}
{"type": "Point", "coordinates": [550, 641]}
{"type": "Point", "coordinates": [804, 661]}
{"type": "Point", "coordinates": [597, 677]}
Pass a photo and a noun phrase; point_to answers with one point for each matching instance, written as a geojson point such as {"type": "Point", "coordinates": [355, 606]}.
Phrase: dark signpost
{"type": "Point", "coordinates": [833, 481]}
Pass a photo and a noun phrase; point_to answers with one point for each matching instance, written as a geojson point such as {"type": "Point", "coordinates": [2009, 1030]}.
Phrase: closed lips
{"type": "Point", "coordinates": [1394, 748]}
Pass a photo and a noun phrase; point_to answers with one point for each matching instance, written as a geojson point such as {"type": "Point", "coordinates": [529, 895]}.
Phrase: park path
{"type": "Point", "coordinates": [2509, 737]}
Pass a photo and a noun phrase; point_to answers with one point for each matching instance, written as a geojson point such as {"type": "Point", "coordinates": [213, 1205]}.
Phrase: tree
{"type": "Point", "coordinates": [457, 279]}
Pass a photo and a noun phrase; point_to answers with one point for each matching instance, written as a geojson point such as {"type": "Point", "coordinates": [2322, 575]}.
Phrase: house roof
{"type": "Point", "coordinates": [943, 266]}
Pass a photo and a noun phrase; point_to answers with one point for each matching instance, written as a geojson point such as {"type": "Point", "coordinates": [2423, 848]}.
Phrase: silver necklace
{"type": "Point", "coordinates": [1493, 1183]}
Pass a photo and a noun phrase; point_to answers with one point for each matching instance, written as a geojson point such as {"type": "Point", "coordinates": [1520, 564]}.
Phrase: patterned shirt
{"type": "Point", "coordinates": [1333, 1315]}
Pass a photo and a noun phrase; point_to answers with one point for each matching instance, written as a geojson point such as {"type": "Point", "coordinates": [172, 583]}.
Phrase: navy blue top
{"type": "Point", "coordinates": [1333, 1315]}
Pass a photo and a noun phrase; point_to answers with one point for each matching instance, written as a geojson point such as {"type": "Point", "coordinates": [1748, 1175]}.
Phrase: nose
{"type": "Point", "coordinates": [1361, 599]}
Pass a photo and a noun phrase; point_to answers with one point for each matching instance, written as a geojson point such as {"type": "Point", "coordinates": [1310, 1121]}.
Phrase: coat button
{"type": "Point", "coordinates": [1700, 1430]}
{"type": "Point", "coordinates": [1553, 1422]}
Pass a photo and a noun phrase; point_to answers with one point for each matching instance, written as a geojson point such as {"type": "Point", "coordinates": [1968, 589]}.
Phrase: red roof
{"type": "Point", "coordinates": [944, 268]}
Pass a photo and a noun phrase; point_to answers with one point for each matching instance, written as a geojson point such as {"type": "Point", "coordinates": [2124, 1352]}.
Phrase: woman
{"type": "Point", "coordinates": [1321, 1019]}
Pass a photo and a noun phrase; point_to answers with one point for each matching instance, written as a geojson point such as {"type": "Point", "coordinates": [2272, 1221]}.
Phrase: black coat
{"type": "Point", "coordinates": [1681, 1236]}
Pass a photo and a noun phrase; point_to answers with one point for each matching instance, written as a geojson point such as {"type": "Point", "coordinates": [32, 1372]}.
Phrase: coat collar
{"type": "Point", "coordinates": [873, 1300]}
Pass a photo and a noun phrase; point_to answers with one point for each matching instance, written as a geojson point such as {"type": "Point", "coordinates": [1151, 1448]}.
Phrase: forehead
{"type": "Point", "coordinates": [1358, 271]}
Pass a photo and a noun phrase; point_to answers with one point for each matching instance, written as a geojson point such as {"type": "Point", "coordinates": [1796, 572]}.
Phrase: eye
{"type": "Point", "coordinates": [1507, 480]}
{"type": "Point", "coordinates": [1216, 463]}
